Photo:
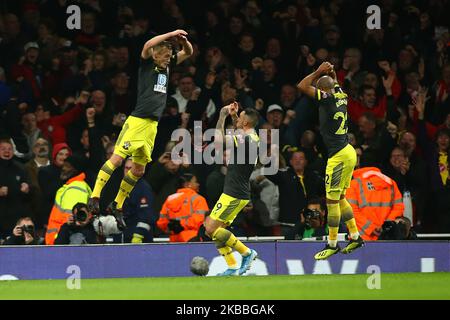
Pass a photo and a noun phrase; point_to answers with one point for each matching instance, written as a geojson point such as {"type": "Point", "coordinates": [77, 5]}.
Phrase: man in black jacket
{"type": "Point", "coordinates": [296, 185]}
{"type": "Point", "coordinates": [14, 188]}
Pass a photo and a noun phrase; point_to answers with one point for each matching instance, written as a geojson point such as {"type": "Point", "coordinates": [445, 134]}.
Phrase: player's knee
{"type": "Point", "coordinates": [116, 160]}
{"type": "Point", "coordinates": [138, 171]}
{"type": "Point", "coordinates": [209, 229]}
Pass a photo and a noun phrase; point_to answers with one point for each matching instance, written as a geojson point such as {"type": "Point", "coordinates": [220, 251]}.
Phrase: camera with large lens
{"type": "Point", "coordinates": [27, 229]}
{"type": "Point", "coordinates": [310, 214]}
{"type": "Point", "coordinates": [393, 231]}
{"type": "Point", "coordinates": [81, 215]}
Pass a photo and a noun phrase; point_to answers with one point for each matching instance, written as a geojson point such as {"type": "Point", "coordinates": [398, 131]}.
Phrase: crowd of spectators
{"type": "Point", "coordinates": [68, 92]}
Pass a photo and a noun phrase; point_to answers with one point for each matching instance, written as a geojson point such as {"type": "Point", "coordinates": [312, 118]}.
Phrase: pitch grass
{"type": "Point", "coordinates": [393, 286]}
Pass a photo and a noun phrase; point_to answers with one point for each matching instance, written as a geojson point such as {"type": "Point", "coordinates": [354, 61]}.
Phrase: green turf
{"type": "Point", "coordinates": [393, 286]}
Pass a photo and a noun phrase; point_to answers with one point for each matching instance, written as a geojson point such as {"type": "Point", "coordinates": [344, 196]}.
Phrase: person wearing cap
{"type": "Point", "coordinates": [27, 68]}
{"type": "Point", "coordinates": [137, 138]}
{"type": "Point", "coordinates": [49, 176]}
{"type": "Point", "coordinates": [274, 115]}
{"type": "Point", "coordinates": [75, 190]}
{"type": "Point", "coordinates": [332, 38]}
{"type": "Point", "coordinates": [69, 57]}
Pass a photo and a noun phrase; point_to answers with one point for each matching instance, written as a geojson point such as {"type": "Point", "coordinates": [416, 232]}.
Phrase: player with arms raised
{"type": "Point", "coordinates": [244, 146]}
{"type": "Point", "coordinates": [332, 103]}
{"type": "Point", "coordinates": [138, 133]}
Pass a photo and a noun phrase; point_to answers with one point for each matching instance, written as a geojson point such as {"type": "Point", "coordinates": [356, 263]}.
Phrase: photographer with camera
{"type": "Point", "coordinates": [79, 228]}
{"type": "Point", "coordinates": [74, 190]}
{"type": "Point", "coordinates": [23, 233]}
{"type": "Point", "coordinates": [399, 229]}
{"type": "Point", "coordinates": [313, 221]}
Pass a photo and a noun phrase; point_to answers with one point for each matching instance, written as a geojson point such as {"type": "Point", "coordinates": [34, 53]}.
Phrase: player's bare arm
{"type": "Point", "coordinates": [147, 49]}
{"type": "Point", "coordinates": [186, 50]}
{"type": "Point", "coordinates": [234, 107]}
{"type": "Point", "coordinates": [305, 86]}
{"type": "Point", "coordinates": [220, 137]}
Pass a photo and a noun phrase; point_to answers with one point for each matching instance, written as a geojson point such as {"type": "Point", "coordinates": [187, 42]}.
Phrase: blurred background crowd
{"type": "Point", "coordinates": [65, 94]}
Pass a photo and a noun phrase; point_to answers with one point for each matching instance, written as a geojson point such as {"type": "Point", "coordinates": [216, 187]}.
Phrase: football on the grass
{"type": "Point", "coordinates": [199, 266]}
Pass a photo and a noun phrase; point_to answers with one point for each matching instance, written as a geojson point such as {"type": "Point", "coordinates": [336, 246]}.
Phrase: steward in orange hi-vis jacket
{"type": "Point", "coordinates": [183, 212]}
{"type": "Point", "coordinates": [375, 198]}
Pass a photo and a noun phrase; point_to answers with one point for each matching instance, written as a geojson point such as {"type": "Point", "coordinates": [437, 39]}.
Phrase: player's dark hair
{"type": "Point", "coordinates": [253, 115]}
{"type": "Point", "coordinates": [185, 178]}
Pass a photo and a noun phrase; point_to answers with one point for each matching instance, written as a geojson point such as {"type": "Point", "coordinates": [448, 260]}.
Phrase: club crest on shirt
{"type": "Point", "coordinates": [161, 83]}
{"type": "Point", "coordinates": [126, 145]}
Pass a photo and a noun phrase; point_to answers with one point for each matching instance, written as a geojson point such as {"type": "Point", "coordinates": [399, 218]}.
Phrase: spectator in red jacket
{"type": "Point", "coordinates": [54, 127]}
{"type": "Point", "coordinates": [370, 102]}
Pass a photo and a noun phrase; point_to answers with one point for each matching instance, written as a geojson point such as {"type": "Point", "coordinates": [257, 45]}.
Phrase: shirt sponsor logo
{"type": "Point", "coordinates": [161, 84]}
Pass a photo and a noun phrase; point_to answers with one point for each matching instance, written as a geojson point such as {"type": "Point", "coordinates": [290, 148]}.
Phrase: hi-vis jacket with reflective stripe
{"type": "Point", "coordinates": [75, 190]}
{"type": "Point", "coordinates": [189, 208]}
{"type": "Point", "coordinates": [375, 198]}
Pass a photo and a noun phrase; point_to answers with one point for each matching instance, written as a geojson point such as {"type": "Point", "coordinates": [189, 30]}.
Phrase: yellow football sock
{"type": "Point", "coordinates": [227, 253]}
{"type": "Point", "coordinates": [347, 216]}
{"type": "Point", "coordinates": [126, 186]}
{"type": "Point", "coordinates": [102, 178]}
{"type": "Point", "coordinates": [227, 238]}
{"type": "Point", "coordinates": [334, 217]}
